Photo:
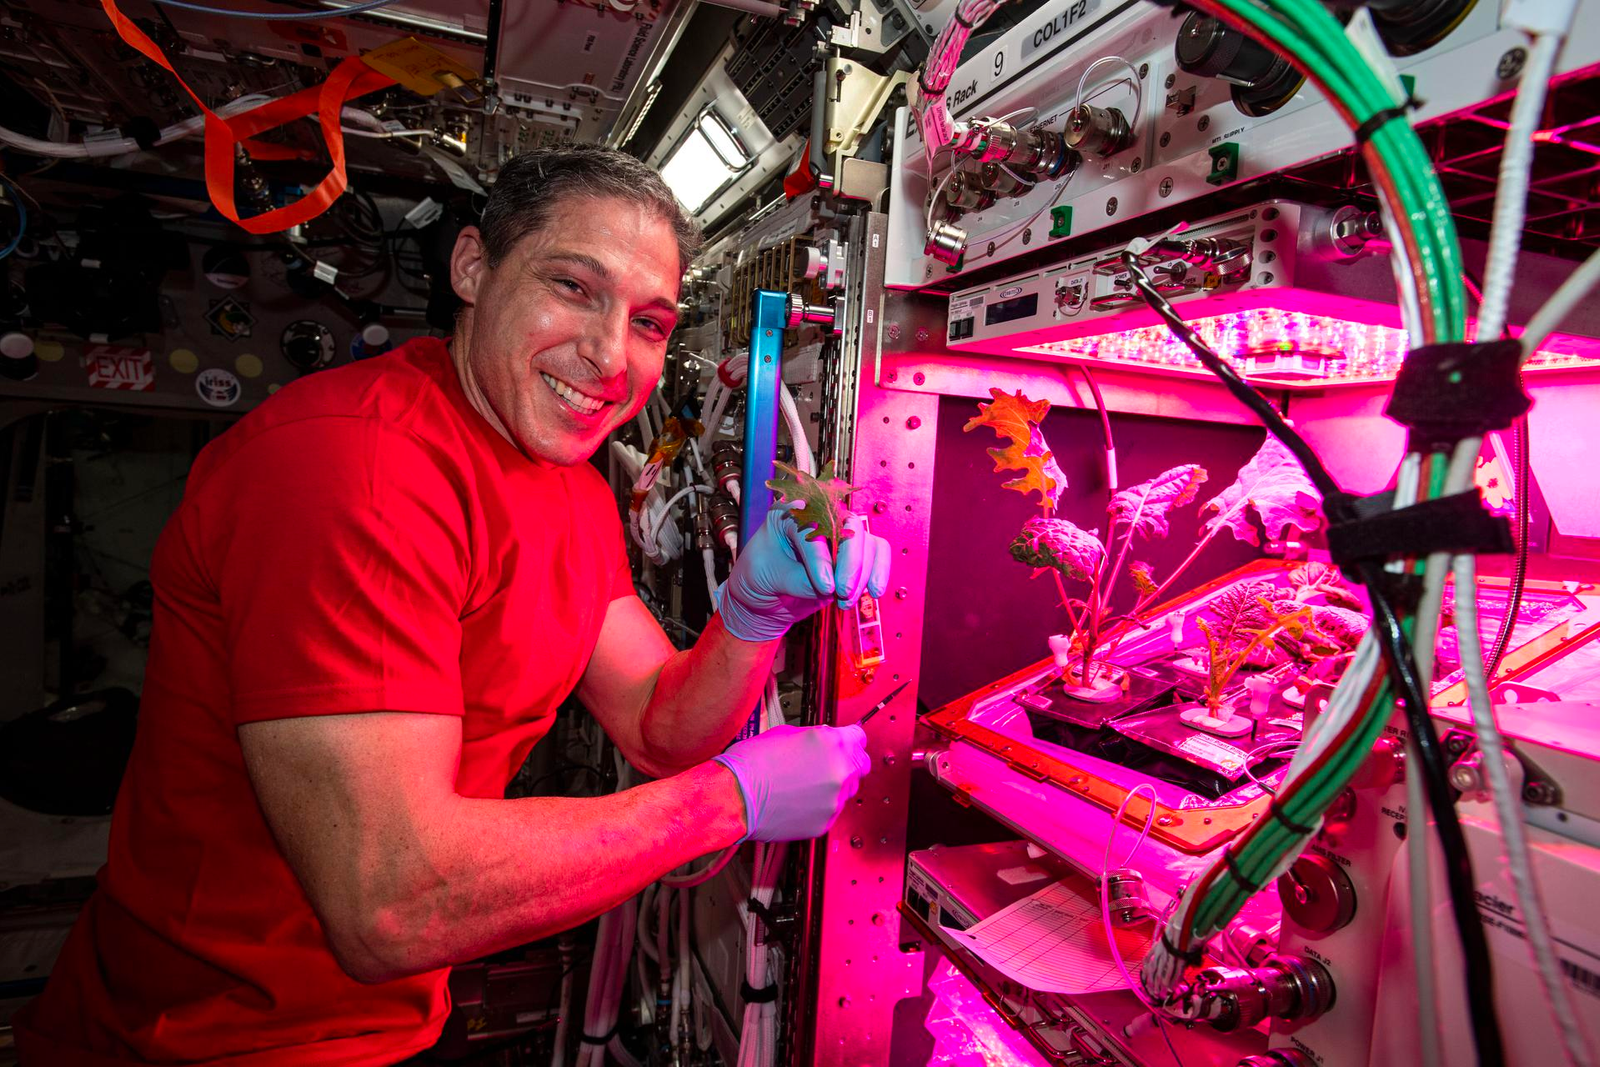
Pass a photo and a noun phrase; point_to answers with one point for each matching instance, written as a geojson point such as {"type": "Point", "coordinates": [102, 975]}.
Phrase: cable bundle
{"type": "Point", "coordinates": [933, 117]}
{"type": "Point", "coordinates": [1359, 82]}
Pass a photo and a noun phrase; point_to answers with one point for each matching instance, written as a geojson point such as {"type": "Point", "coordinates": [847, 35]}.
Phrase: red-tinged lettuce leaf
{"type": "Point", "coordinates": [1145, 507]}
{"type": "Point", "coordinates": [1311, 580]}
{"type": "Point", "coordinates": [1059, 544]}
{"type": "Point", "coordinates": [1144, 578]}
{"type": "Point", "coordinates": [823, 511]}
{"type": "Point", "coordinates": [1016, 419]}
{"type": "Point", "coordinates": [1275, 488]}
{"type": "Point", "coordinates": [1239, 612]}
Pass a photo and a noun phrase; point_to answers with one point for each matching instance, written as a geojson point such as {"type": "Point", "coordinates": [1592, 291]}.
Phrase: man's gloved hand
{"type": "Point", "coordinates": [795, 780]}
{"type": "Point", "coordinates": [780, 577]}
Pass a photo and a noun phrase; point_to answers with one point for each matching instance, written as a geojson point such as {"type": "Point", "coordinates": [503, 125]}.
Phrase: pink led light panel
{"type": "Point", "coordinates": [1292, 345]}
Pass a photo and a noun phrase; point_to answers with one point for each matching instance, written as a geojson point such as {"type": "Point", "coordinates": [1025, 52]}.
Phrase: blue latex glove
{"type": "Point", "coordinates": [780, 577]}
{"type": "Point", "coordinates": [795, 780]}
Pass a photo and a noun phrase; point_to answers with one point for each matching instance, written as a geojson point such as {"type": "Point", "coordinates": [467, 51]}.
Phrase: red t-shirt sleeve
{"type": "Point", "coordinates": [340, 559]}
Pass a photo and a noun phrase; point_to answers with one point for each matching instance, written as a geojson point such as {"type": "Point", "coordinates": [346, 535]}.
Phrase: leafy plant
{"type": "Point", "coordinates": [1016, 418]}
{"type": "Point", "coordinates": [1247, 623]}
{"type": "Point", "coordinates": [1270, 496]}
{"type": "Point", "coordinates": [822, 511]}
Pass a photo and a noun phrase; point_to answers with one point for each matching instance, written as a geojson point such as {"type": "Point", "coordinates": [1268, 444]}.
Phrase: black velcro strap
{"type": "Point", "coordinates": [1277, 813]}
{"type": "Point", "coordinates": [143, 130]}
{"type": "Point", "coordinates": [1455, 524]}
{"type": "Point", "coordinates": [1194, 957]}
{"type": "Point", "coordinates": [589, 1039]}
{"type": "Point", "coordinates": [963, 21]}
{"type": "Point", "coordinates": [1233, 872]}
{"type": "Point", "coordinates": [1446, 392]}
{"type": "Point", "coordinates": [752, 995]}
{"type": "Point", "coordinates": [1382, 118]}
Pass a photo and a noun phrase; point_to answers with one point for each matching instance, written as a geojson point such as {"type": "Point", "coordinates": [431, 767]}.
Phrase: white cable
{"type": "Point", "coordinates": [1508, 807]}
{"type": "Point", "coordinates": [666, 512]}
{"type": "Point", "coordinates": [709, 557]}
{"type": "Point", "coordinates": [680, 981]}
{"type": "Point", "coordinates": [708, 407]}
{"type": "Point", "coordinates": [1560, 304]}
{"type": "Point", "coordinates": [1105, 900]}
{"type": "Point", "coordinates": [797, 430]}
{"type": "Point", "coordinates": [122, 146]}
{"type": "Point", "coordinates": [1511, 194]}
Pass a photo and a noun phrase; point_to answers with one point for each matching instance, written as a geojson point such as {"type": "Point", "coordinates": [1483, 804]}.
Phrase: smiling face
{"type": "Point", "coordinates": [562, 340]}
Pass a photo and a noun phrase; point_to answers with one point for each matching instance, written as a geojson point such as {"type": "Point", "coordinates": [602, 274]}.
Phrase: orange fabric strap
{"type": "Point", "coordinates": [350, 79]}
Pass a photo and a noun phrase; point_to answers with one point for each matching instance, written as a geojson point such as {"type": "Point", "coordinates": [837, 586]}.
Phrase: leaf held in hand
{"type": "Point", "coordinates": [1144, 579]}
{"type": "Point", "coordinates": [1145, 507]}
{"type": "Point", "coordinates": [1016, 418]}
{"type": "Point", "coordinates": [1057, 543]}
{"type": "Point", "coordinates": [823, 511]}
{"type": "Point", "coordinates": [1274, 486]}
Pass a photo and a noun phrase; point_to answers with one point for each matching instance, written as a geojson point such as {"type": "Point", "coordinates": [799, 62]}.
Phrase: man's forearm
{"type": "Point", "coordinates": [486, 875]}
{"type": "Point", "coordinates": [703, 696]}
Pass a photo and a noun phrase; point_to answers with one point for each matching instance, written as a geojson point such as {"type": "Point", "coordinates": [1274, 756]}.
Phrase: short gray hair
{"type": "Point", "coordinates": [530, 185]}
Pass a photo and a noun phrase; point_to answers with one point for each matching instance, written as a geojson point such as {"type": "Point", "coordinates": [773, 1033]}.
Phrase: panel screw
{"type": "Point", "coordinates": [856, 842]}
{"type": "Point", "coordinates": [1268, 257]}
{"type": "Point", "coordinates": [769, 333]}
{"type": "Point", "coordinates": [901, 593]}
{"type": "Point", "coordinates": [1511, 64]}
{"type": "Point", "coordinates": [1541, 793]}
{"type": "Point", "coordinates": [922, 335]}
{"type": "Point", "coordinates": [918, 378]}
{"type": "Point", "coordinates": [1111, 206]}
{"type": "Point", "coordinates": [1166, 139]}
{"type": "Point", "coordinates": [879, 508]}
{"type": "Point", "coordinates": [1456, 744]}
{"type": "Point", "coordinates": [1137, 163]}
{"type": "Point", "coordinates": [1266, 279]}
{"type": "Point", "coordinates": [1144, 69]}
{"type": "Point", "coordinates": [891, 376]}
{"type": "Point", "coordinates": [1204, 124]}
{"type": "Point", "coordinates": [991, 249]}
{"type": "Point", "coordinates": [1172, 79]}
{"type": "Point", "coordinates": [1027, 235]}
{"type": "Point", "coordinates": [1166, 187]}
{"type": "Point", "coordinates": [913, 422]}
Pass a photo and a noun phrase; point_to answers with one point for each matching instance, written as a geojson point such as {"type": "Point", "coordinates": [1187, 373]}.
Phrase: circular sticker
{"type": "Point", "coordinates": [217, 387]}
{"type": "Point", "coordinates": [248, 365]}
{"type": "Point", "coordinates": [49, 351]}
{"type": "Point", "coordinates": [183, 361]}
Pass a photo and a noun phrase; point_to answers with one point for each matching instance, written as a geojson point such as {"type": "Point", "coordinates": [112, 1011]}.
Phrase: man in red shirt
{"type": "Point", "coordinates": [377, 590]}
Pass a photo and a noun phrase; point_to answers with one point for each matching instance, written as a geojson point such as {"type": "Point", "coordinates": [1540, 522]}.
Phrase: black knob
{"type": "Point", "coordinates": [1210, 49]}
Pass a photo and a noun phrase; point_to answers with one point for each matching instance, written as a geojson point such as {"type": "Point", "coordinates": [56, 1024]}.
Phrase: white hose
{"type": "Point", "coordinates": [797, 430]}
{"type": "Point", "coordinates": [1507, 804]}
{"type": "Point", "coordinates": [122, 146]}
{"type": "Point", "coordinates": [1511, 196]}
{"type": "Point", "coordinates": [709, 555]}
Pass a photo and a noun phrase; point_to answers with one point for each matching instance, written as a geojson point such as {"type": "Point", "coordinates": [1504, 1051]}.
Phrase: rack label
{"type": "Point", "coordinates": [1058, 26]}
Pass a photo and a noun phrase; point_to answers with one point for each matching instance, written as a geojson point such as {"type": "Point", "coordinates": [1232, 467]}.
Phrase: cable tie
{"type": "Point", "coordinates": [964, 22]}
{"type": "Point", "coordinates": [1382, 117]}
{"type": "Point", "coordinates": [751, 995]}
{"type": "Point", "coordinates": [1234, 873]}
{"type": "Point", "coordinates": [604, 1039]}
{"type": "Point", "coordinates": [1194, 957]}
{"type": "Point", "coordinates": [1275, 810]}
{"type": "Point", "coordinates": [1446, 392]}
{"type": "Point", "coordinates": [1365, 530]}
